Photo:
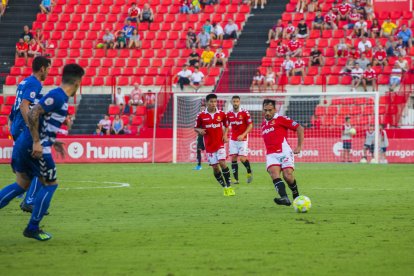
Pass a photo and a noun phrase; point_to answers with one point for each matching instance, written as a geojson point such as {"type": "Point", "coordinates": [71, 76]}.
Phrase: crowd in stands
{"type": "Point", "coordinates": [369, 46]}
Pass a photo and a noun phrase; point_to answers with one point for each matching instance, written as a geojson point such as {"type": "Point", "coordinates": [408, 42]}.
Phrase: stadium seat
{"type": "Point", "coordinates": [3, 120]}
{"type": "Point", "coordinates": [137, 121]}
{"type": "Point", "coordinates": [10, 100]}
{"type": "Point", "coordinates": [114, 110]}
{"type": "Point", "coordinates": [5, 109]}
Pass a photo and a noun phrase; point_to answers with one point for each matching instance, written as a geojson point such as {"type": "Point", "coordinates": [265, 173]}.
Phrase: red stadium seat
{"type": "Point", "coordinates": [3, 120]}
{"type": "Point", "coordinates": [5, 109]}
{"type": "Point", "coordinates": [10, 100]}
{"type": "Point", "coordinates": [114, 110]}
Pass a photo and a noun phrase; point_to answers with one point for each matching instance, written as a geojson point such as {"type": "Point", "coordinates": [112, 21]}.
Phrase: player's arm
{"type": "Point", "coordinates": [198, 126]}
{"type": "Point", "coordinates": [300, 131]}
{"type": "Point", "coordinates": [225, 129]}
{"type": "Point", "coordinates": [24, 110]}
{"type": "Point", "coordinates": [33, 123]}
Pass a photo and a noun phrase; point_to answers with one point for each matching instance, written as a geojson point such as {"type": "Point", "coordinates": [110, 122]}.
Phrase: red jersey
{"type": "Point", "coordinates": [370, 74]}
{"type": "Point", "coordinates": [354, 17]}
{"type": "Point", "coordinates": [344, 8]}
{"type": "Point", "coordinates": [213, 125]}
{"type": "Point", "coordinates": [34, 47]}
{"type": "Point", "coordinates": [380, 55]}
{"type": "Point", "coordinates": [299, 64]}
{"type": "Point", "coordinates": [293, 45]}
{"type": "Point", "coordinates": [133, 12]}
{"type": "Point", "coordinates": [355, 54]}
{"type": "Point", "coordinates": [22, 47]}
{"type": "Point", "coordinates": [290, 29]}
{"type": "Point", "coordinates": [281, 50]}
{"type": "Point", "coordinates": [329, 18]}
{"type": "Point", "coordinates": [239, 121]}
{"type": "Point", "coordinates": [274, 132]}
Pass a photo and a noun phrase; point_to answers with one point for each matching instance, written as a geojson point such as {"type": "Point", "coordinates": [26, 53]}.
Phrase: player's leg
{"type": "Point", "coordinates": [233, 151]}
{"type": "Point", "coordinates": [243, 152]}
{"type": "Point", "coordinates": [15, 189]}
{"type": "Point", "coordinates": [291, 181]}
{"type": "Point", "coordinates": [27, 203]}
{"type": "Point", "coordinates": [226, 174]}
{"type": "Point", "coordinates": [274, 169]}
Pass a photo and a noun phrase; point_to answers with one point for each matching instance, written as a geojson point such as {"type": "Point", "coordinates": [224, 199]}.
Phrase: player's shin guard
{"type": "Point", "coordinates": [199, 157]}
{"type": "Point", "coordinates": [280, 187]}
{"type": "Point", "coordinates": [226, 174]}
{"type": "Point", "coordinates": [35, 186]}
{"type": "Point", "coordinates": [41, 204]}
{"type": "Point", "coordinates": [219, 178]}
{"type": "Point", "coordinates": [235, 169]}
{"type": "Point", "coordinates": [294, 188]}
{"type": "Point", "coordinates": [8, 193]}
{"type": "Point", "coordinates": [247, 165]}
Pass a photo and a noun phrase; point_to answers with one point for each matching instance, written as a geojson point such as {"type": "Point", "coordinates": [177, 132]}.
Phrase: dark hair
{"type": "Point", "coordinates": [235, 97]}
{"type": "Point", "coordinates": [72, 73]}
{"type": "Point", "coordinates": [347, 118]}
{"type": "Point", "coordinates": [203, 104]}
{"type": "Point", "coordinates": [211, 96]}
{"type": "Point", "coordinates": [40, 62]}
{"type": "Point", "coordinates": [269, 101]}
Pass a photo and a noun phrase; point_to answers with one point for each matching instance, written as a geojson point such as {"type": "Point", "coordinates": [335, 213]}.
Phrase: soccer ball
{"type": "Point", "coordinates": [352, 131]}
{"type": "Point", "coordinates": [302, 204]}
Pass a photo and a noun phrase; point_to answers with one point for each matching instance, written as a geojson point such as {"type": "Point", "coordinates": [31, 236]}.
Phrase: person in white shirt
{"type": "Point", "coordinates": [104, 125]}
{"type": "Point", "coordinates": [120, 99]}
{"type": "Point", "coordinates": [402, 63]}
{"type": "Point", "coordinates": [270, 79]}
{"type": "Point", "coordinates": [184, 76]}
{"type": "Point", "coordinates": [230, 30]}
{"type": "Point", "coordinates": [361, 28]}
{"type": "Point", "coordinates": [217, 32]}
{"type": "Point", "coordinates": [395, 78]}
{"type": "Point", "coordinates": [364, 45]}
{"type": "Point", "coordinates": [287, 66]}
{"type": "Point", "coordinates": [257, 81]}
{"type": "Point", "coordinates": [197, 79]}
{"type": "Point", "coordinates": [219, 58]}
{"type": "Point", "coordinates": [356, 74]}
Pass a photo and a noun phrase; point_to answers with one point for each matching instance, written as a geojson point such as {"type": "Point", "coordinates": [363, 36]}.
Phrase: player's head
{"type": "Point", "coordinates": [347, 119]}
{"type": "Point", "coordinates": [235, 101]}
{"type": "Point", "coordinates": [72, 77]}
{"type": "Point", "coordinates": [211, 100]}
{"type": "Point", "coordinates": [371, 128]}
{"type": "Point", "coordinates": [41, 66]}
{"type": "Point", "coordinates": [381, 126]}
{"type": "Point", "coordinates": [269, 108]}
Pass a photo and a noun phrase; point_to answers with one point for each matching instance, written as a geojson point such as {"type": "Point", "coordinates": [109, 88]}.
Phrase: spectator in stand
{"type": "Point", "coordinates": [354, 53]}
{"type": "Point", "coordinates": [318, 21]}
{"type": "Point", "coordinates": [313, 6]}
{"type": "Point", "coordinates": [390, 46]}
{"type": "Point", "coordinates": [40, 39]}
{"type": "Point", "coordinates": [34, 49]}
{"type": "Point", "coordinates": [342, 49]}
{"type": "Point", "coordinates": [230, 30]}
{"type": "Point", "coordinates": [369, 11]}
{"type": "Point", "coordinates": [363, 61]}
{"type": "Point", "coordinates": [350, 64]}
{"type": "Point", "coordinates": [380, 57]}
{"type": "Point", "coordinates": [364, 45]}
{"type": "Point", "coordinates": [217, 32]}
{"type": "Point", "coordinates": [330, 21]}
{"type": "Point", "coordinates": [388, 28]}
{"type": "Point", "coordinates": [128, 129]}
{"type": "Point", "coordinates": [184, 76]}
{"type": "Point", "coordinates": [335, 10]}
{"type": "Point", "coordinates": [104, 125]}
{"type": "Point", "coordinates": [195, 6]}
{"type": "Point", "coordinates": [185, 6]}
{"type": "Point", "coordinates": [208, 27]}
{"type": "Point", "coordinates": [194, 58]}
{"type": "Point", "coordinates": [406, 35]}
{"type": "Point", "coordinates": [360, 28]}
{"type": "Point", "coordinates": [203, 39]}
{"type": "Point", "coordinates": [395, 78]}
{"type": "Point", "coordinates": [128, 29]}
{"type": "Point", "coordinates": [257, 81]}
{"type": "Point", "coordinates": [26, 35]}
{"type": "Point", "coordinates": [370, 77]}
{"type": "Point", "coordinates": [135, 98]}
{"type": "Point", "coordinates": [289, 31]}
{"type": "Point", "coordinates": [207, 57]}
{"type": "Point", "coordinates": [108, 40]}
{"type": "Point", "coordinates": [287, 66]}
{"type": "Point", "coordinates": [46, 6]}
{"type": "Point", "coordinates": [263, 2]}
{"type": "Point", "coordinates": [299, 69]}
{"type": "Point", "coordinates": [301, 6]}
{"type": "Point", "coordinates": [191, 38]}
{"type": "Point", "coordinates": [281, 49]}
{"type": "Point", "coordinates": [343, 10]}
{"type": "Point", "coordinates": [117, 125]}
{"type": "Point", "coordinates": [400, 49]}
{"type": "Point", "coordinates": [120, 100]}
{"type": "Point", "coordinates": [134, 40]}
{"type": "Point", "coordinates": [295, 48]}
{"type": "Point", "coordinates": [219, 58]}
{"type": "Point", "coordinates": [121, 41]}
{"type": "Point", "coordinates": [316, 57]}
{"type": "Point", "coordinates": [302, 31]}
{"type": "Point", "coordinates": [275, 32]}
{"type": "Point", "coordinates": [353, 18]}
{"type": "Point", "coordinates": [147, 15]}
{"type": "Point", "coordinates": [133, 14]}
{"type": "Point", "coordinates": [360, 9]}
{"type": "Point", "coordinates": [356, 74]}
{"type": "Point", "coordinates": [21, 49]}
{"type": "Point", "coordinates": [270, 79]}
{"type": "Point", "coordinates": [375, 29]}
{"type": "Point", "coordinates": [197, 79]}
{"type": "Point", "coordinates": [98, 132]}
{"type": "Point", "coordinates": [402, 63]}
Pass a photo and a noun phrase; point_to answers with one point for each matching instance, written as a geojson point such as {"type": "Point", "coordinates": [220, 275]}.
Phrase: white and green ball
{"type": "Point", "coordinates": [302, 204]}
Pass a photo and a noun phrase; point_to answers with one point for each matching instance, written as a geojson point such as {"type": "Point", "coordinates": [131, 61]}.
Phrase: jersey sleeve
{"type": "Point", "coordinates": [288, 123]}
{"type": "Point", "coordinates": [51, 102]}
{"type": "Point", "coordinates": [199, 121]}
{"type": "Point", "coordinates": [30, 92]}
{"type": "Point", "coordinates": [248, 119]}
{"type": "Point", "coordinates": [225, 120]}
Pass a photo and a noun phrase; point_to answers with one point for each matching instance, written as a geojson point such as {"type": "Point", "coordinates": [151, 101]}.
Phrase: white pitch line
{"type": "Point", "coordinates": [114, 185]}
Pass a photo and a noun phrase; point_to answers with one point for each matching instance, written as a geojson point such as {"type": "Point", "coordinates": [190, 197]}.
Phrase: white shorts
{"type": "Point", "coordinates": [214, 157]}
{"type": "Point", "coordinates": [284, 159]}
{"type": "Point", "coordinates": [239, 148]}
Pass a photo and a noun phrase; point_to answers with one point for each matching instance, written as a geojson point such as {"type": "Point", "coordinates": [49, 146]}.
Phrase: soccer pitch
{"type": "Point", "coordinates": [175, 221]}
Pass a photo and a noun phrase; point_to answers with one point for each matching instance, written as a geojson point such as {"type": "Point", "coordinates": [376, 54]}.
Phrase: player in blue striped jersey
{"type": "Point", "coordinates": [29, 92]}
{"type": "Point", "coordinates": [32, 152]}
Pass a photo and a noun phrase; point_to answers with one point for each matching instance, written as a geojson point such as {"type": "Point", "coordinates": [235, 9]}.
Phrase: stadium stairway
{"type": "Point", "coordinates": [18, 14]}
{"type": "Point", "coordinates": [90, 110]}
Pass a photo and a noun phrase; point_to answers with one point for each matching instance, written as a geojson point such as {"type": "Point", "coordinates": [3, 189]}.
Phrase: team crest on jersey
{"type": "Point", "coordinates": [32, 94]}
{"type": "Point", "coordinates": [272, 122]}
{"type": "Point", "coordinates": [49, 101]}
{"type": "Point", "coordinates": [218, 118]}
{"type": "Point", "coordinates": [240, 117]}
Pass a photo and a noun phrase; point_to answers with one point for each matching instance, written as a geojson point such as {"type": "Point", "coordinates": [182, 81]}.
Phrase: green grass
{"type": "Point", "coordinates": [174, 221]}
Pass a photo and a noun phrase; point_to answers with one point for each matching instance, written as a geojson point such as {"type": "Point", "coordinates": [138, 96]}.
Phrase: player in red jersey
{"type": "Point", "coordinates": [279, 155]}
{"type": "Point", "coordinates": [241, 124]}
{"type": "Point", "coordinates": [210, 125]}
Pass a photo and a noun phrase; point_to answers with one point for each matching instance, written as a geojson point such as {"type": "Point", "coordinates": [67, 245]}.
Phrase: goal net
{"type": "Point", "coordinates": [321, 114]}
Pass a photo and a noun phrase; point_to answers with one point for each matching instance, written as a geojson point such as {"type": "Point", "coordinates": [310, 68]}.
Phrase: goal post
{"type": "Point", "coordinates": [321, 114]}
